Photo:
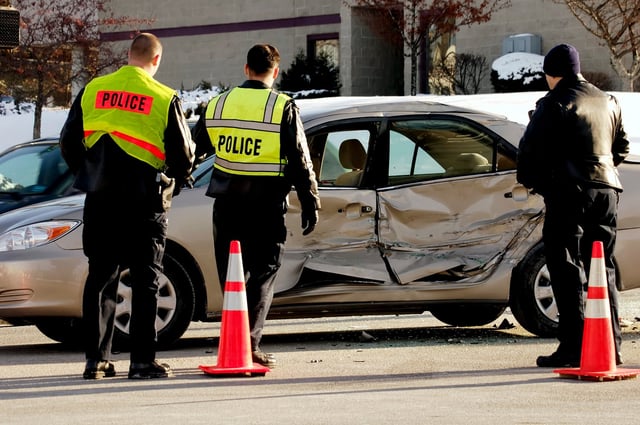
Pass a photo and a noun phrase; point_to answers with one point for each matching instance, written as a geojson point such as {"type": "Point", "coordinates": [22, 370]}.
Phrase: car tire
{"type": "Point", "coordinates": [531, 301]}
{"type": "Point", "coordinates": [176, 304]}
{"type": "Point", "coordinates": [467, 314]}
{"type": "Point", "coordinates": [66, 330]}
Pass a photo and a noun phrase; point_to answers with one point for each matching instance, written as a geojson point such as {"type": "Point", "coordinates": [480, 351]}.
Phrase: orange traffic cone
{"type": "Point", "coordinates": [598, 360]}
{"type": "Point", "coordinates": [234, 348]}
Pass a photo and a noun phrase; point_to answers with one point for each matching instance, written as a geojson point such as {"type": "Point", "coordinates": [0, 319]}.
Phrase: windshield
{"type": "Point", "coordinates": [31, 169]}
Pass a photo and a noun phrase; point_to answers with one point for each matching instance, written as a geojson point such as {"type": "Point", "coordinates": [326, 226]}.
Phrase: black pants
{"type": "Point", "coordinates": [259, 226]}
{"type": "Point", "coordinates": [121, 233]}
{"type": "Point", "coordinates": [575, 218]}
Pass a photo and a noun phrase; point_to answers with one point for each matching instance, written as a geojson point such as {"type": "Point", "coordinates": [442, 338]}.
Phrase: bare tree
{"type": "Point", "coordinates": [617, 24]}
{"type": "Point", "coordinates": [464, 72]}
{"type": "Point", "coordinates": [53, 35]}
{"type": "Point", "coordinates": [420, 23]}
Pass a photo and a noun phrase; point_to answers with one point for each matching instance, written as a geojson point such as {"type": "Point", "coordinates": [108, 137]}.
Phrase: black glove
{"type": "Point", "coordinates": [182, 184]}
{"type": "Point", "coordinates": [309, 221]}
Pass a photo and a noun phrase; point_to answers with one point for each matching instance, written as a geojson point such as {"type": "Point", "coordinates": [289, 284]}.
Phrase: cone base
{"type": "Point", "coordinates": [253, 370]}
{"type": "Point", "coordinates": [611, 375]}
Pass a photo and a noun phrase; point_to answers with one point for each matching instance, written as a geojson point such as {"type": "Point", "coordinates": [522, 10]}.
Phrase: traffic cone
{"type": "Point", "coordinates": [234, 348]}
{"type": "Point", "coordinates": [598, 360]}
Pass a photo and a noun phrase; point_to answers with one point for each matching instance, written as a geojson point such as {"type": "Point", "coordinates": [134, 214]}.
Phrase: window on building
{"type": "Point", "coordinates": [324, 44]}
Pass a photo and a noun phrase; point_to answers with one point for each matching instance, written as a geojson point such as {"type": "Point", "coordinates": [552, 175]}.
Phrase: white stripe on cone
{"type": "Point", "coordinates": [597, 294]}
{"type": "Point", "coordinates": [235, 301]}
{"type": "Point", "coordinates": [234, 271]}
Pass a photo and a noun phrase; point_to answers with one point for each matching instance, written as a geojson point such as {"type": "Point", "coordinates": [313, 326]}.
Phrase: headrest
{"type": "Point", "coordinates": [352, 154]}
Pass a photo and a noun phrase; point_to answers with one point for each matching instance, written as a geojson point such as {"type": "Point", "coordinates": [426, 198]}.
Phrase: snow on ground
{"type": "Point", "coordinates": [18, 127]}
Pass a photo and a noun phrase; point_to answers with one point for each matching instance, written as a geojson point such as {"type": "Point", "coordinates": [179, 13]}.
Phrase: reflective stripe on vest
{"type": "Point", "coordinates": [134, 115]}
{"type": "Point", "coordinates": [244, 128]}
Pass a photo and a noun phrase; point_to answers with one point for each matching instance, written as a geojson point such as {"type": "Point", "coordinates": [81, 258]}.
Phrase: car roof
{"type": "Point", "coordinates": [311, 109]}
{"type": "Point", "coordinates": [35, 142]}
{"type": "Point", "coordinates": [318, 111]}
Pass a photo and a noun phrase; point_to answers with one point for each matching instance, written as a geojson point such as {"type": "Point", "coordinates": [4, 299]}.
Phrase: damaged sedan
{"type": "Point", "coordinates": [421, 211]}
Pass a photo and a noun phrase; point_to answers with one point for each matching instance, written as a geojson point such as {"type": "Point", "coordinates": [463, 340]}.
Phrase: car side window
{"type": "Point", "coordinates": [422, 150]}
{"type": "Point", "coordinates": [339, 156]}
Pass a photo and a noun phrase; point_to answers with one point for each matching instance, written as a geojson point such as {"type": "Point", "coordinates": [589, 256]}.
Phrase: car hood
{"type": "Point", "coordinates": [10, 202]}
{"type": "Point", "coordinates": [67, 207]}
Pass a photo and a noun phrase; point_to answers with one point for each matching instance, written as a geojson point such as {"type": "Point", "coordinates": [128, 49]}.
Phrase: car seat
{"type": "Point", "coordinates": [469, 163]}
{"type": "Point", "coordinates": [352, 157]}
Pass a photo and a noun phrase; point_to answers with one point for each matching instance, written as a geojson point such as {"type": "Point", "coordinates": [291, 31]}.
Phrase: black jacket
{"type": "Point", "coordinates": [298, 171]}
{"type": "Point", "coordinates": [575, 136]}
{"type": "Point", "coordinates": [107, 168]}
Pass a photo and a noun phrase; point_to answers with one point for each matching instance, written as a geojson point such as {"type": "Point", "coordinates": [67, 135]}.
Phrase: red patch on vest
{"type": "Point", "coordinates": [125, 101]}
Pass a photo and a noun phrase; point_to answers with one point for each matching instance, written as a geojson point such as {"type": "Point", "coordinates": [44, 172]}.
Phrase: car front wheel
{"type": "Point", "coordinates": [176, 303]}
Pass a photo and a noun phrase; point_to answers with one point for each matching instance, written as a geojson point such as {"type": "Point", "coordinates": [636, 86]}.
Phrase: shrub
{"type": "Point", "coordinates": [310, 77]}
{"type": "Point", "coordinates": [600, 80]}
{"type": "Point", "coordinates": [526, 80]}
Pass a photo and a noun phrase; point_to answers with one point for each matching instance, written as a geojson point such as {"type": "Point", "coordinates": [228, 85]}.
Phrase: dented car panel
{"type": "Point", "coordinates": [451, 230]}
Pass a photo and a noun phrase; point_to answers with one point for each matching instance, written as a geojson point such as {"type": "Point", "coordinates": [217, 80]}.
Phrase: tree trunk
{"type": "Point", "coordinates": [37, 120]}
{"type": "Point", "coordinates": [414, 70]}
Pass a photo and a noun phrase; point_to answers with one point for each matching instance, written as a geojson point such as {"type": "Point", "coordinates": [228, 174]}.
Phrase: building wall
{"type": "Point", "coordinates": [553, 22]}
{"type": "Point", "coordinates": [372, 64]}
{"type": "Point", "coordinates": [207, 40]}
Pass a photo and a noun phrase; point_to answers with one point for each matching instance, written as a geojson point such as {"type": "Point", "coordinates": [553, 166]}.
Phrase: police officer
{"type": "Point", "coordinates": [125, 138]}
{"type": "Point", "coordinates": [261, 151]}
{"type": "Point", "coordinates": [568, 154]}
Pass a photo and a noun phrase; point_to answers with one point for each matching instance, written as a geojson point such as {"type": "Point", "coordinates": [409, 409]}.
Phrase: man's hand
{"type": "Point", "coordinates": [181, 185]}
{"type": "Point", "coordinates": [309, 221]}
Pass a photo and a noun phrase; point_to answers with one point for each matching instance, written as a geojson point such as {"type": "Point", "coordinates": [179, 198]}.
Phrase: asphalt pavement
{"type": "Point", "coordinates": [349, 370]}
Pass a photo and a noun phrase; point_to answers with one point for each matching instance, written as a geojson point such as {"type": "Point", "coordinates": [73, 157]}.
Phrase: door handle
{"type": "Point", "coordinates": [518, 193]}
{"type": "Point", "coordinates": [355, 210]}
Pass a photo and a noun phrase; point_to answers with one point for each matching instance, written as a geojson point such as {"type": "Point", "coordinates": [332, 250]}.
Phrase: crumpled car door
{"type": "Point", "coordinates": [448, 214]}
{"type": "Point", "coordinates": [344, 241]}
{"type": "Point", "coordinates": [451, 230]}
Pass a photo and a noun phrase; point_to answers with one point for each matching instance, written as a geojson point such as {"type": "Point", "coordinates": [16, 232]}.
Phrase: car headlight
{"type": "Point", "coordinates": [36, 234]}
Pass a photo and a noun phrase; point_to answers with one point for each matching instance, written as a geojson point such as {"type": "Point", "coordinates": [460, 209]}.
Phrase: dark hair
{"type": "Point", "coordinates": [262, 58]}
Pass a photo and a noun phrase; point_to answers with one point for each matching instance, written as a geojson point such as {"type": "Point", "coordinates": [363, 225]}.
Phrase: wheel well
{"type": "Point", "coordinates": [195, 273]}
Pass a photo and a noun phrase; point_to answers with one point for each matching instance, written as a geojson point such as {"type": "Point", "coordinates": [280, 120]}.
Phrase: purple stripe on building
{"type": "Point", "coordinates": [301, 21]}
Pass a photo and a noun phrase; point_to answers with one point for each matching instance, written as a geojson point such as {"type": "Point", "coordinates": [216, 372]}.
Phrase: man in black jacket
{"type": "Point", "coordinates": [569, 154]}
{"type": "Point", "coordinates": [125, 135]}
{"type": "Point", "coordinates": [261, 151]}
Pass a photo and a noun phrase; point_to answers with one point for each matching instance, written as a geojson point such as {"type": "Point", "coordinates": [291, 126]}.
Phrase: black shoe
{"type": "Point", "coordinates": [619, 359]}
{"type": "Point", "coordinates": [265, 359]}
{"type": "Point", "coordinates": [98, 369]}
{"type": "Point", "coordinates": [558, 360]}
{"type": "Point", "coordinates": [149, 370]}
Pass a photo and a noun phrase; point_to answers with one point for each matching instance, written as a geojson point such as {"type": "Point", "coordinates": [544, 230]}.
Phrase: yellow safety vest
{"type": "Point", "coordinates": [244, 128]}
{"type": "Point", "coordinates": [131, 107]}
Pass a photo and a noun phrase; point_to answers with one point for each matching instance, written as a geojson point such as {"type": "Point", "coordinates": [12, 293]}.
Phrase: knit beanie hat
{"type": "Point", "coordinates": [562, 61]}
